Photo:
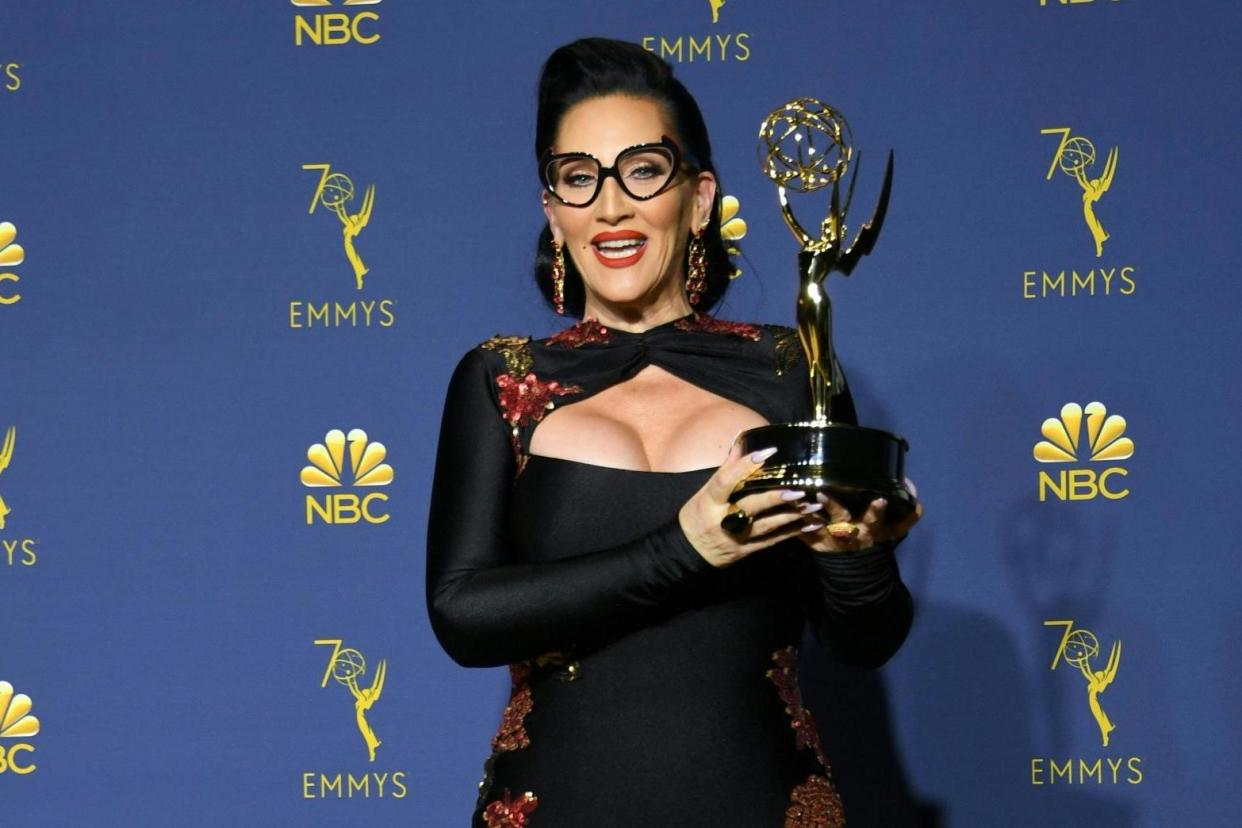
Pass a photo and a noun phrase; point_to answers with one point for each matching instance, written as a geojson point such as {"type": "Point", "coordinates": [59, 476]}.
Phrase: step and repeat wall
{"type": "Point", "coordinates": [243, 245]}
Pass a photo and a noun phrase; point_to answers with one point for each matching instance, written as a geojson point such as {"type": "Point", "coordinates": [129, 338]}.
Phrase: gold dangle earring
{"type": "Point", "coordinates": [558, 278]}
{"type": "Point", "coordinates": [697, 270]}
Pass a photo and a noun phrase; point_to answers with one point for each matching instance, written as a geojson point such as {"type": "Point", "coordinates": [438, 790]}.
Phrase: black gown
{"type": "Point", "coordinates": [648, 687]}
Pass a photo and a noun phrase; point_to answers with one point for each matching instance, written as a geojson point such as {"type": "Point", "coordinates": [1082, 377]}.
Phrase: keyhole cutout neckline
{"type": "Point", "coordinates": [701, 409]}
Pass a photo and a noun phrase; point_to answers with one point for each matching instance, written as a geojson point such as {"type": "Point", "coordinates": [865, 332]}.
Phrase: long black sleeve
{"type": "Point", "coordinates": [486, 607]}
{"type": "Point", "coordinates": [857, 605]}
{"type": "Point", "coordinates": [860, 610]}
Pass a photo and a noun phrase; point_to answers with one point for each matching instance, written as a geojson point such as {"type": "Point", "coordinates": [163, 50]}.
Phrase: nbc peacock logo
{"type": "Point", "coordinates": [16, 722]}
{"type": "Point", "coordinates": [335, 28]}
{"type": "Point", "coordinates": [11, 255]}
{"type": "Point", "coordinates": [1083, 433]}
{"type": "Point", "coordinates": [328, 469]}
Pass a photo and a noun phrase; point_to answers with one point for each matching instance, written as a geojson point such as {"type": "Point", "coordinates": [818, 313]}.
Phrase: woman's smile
{"type": "Point", "coordinates": [619, 248]}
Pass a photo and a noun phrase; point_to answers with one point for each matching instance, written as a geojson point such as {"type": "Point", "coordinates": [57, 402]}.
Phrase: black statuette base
{"type": "Point", "coordinates": [851, 464]}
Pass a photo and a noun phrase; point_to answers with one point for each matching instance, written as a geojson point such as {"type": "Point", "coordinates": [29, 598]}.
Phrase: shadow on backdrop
{"type": "Point", "coordinates": [968, 713]}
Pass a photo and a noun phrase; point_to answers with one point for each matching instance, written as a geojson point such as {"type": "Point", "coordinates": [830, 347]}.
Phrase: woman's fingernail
{"type": "Point", "coordinates": [883, 501]}
{"type": "Point", "coordinates": [812, 527]}
{"type": "Point", "coordinates": [791, 494]}
{"type": "Point", "coordinates": [762, 454]}
{"type": "Point", "coordinates": [807, 508]}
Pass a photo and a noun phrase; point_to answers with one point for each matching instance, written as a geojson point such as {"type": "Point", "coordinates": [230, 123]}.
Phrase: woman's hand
{"type": "Point", "coordinates": [842, 534]}
{"type": "Point", "coordinates": [776, 514]}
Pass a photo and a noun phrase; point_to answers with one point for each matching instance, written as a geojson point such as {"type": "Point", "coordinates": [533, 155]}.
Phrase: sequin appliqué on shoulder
{"type": "Point", "coordinates": [524, 398]}
{"type": "Point", "coordinates": [515, 350]}
{"type": "Point", "coordinates": [588, 331]}
{"type": "Point", "coordinates": [706, 323]}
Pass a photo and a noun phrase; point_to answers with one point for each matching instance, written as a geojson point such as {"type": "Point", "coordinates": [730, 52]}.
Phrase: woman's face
{"type": "Point", "coordinates": [630, 253]}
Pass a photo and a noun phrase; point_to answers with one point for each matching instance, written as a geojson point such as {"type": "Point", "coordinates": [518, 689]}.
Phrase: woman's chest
{"type": "Point", "coordinates": [654, 421]}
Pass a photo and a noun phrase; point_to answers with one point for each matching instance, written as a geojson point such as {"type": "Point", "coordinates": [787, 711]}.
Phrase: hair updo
{"type": "Point", "coordinates": [595, 67]}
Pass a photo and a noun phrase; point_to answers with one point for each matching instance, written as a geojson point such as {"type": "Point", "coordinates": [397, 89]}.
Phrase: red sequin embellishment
{"type": "Point", "coordinates": [512, 732]}
{"type": "Point", "coordinates": [524, 401]}
{"type": "Point", "coordinates": [510, 813]}
{"type": "Point", "coordinates": [814, 804]}
{"type": "Point", "coordinates": [710, 324]}
{"type": "Point", "coordinates": [587, 331]}
{"type": "Point", "coordinates": [785, 676]}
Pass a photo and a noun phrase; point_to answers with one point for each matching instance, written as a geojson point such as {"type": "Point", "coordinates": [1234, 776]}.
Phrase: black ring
{"type": "Point", "coordinates": [736, 522]}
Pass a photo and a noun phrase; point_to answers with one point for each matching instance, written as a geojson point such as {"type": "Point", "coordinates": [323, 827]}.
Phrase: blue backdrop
{"type": "Point", "coordinates": [180, 322]}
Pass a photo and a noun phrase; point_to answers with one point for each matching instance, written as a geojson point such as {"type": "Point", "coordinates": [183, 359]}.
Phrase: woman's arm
{"type": "Point", "coordinates": [856, 603]}
{"type": "Point", "coordinates": [486, 607]}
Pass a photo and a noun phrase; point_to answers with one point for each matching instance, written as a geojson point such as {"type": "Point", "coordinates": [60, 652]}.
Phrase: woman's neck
{"type": "Point", "coordinates": [641, 318]}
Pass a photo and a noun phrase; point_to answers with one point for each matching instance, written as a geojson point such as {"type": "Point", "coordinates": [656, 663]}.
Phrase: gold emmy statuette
{"type": "Point", "coordinates": [805, 146]}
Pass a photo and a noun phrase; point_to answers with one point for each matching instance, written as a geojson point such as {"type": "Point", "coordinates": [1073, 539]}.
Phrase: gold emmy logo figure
{"type": "Point", "coordinates": [1078, 647]}
{"type": "Point", "coordinates": [6, 457]}
{"type": "Point", "coordinates": [716, 4]}
{"type": "Point", "coordinates": [335, 190]}
{"type": "Point", "coordinates": [346, 666]}
{"type": "Point", "coordinates": [1074, 156]}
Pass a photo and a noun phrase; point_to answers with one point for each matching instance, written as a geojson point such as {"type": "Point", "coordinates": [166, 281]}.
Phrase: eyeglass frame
{"type": "Point", "coordinates": [547, 157]}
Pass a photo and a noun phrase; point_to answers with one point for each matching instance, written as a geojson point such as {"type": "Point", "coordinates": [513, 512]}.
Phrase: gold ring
{"type": "Point", "coordinates": [842, 527]}
{"type": "Point", "coordinates": [736, 522]}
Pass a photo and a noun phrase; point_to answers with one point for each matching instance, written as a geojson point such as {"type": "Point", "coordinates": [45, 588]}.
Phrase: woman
{"type": "Point", "coordinates": [575, 530]}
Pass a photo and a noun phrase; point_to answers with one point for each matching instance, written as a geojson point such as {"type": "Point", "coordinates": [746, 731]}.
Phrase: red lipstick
{"type": "Point", "coordinates": [619, 248]}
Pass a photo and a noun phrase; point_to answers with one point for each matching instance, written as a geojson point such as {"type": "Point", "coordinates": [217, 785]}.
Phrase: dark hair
{"type": "Point", "coordinates": [594, 67]}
